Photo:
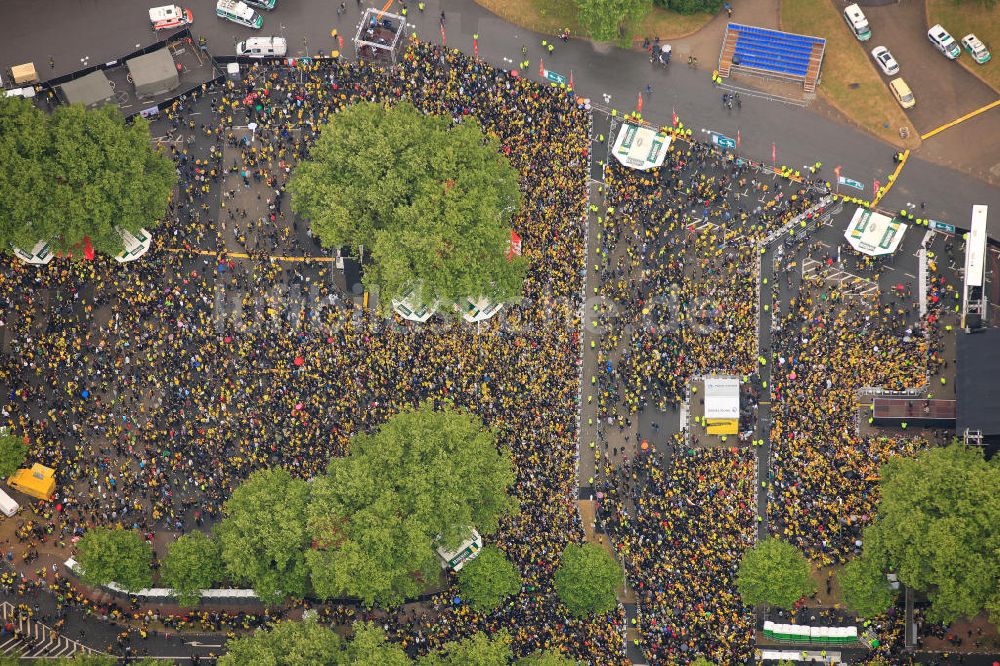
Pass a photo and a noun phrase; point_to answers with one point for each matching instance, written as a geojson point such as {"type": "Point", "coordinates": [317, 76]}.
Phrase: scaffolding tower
{"type": "Point", "coordinates": [379, 37]}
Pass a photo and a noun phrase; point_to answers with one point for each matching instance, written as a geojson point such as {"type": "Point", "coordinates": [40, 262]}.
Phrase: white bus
{"type": "Point", "coordinates": [238, 12]}
{"type": "Point", "coordinates": [467, 550]}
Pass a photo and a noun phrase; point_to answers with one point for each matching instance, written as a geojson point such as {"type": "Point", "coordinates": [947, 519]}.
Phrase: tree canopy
{"type": "Point", "coordinates": [193, 563]}
{"type": "Point", "coordinates": [488, 579]}
{"type": "Point", "coordinates": [938, 529]}
{"type": "Point", "coordinates": [611, 20]}
{"type": "Point", "coordinates": [431, 201]}
{"type": "Point", "coordinates": [306, 643]}
{"type": "Point", "coordinates": [774, 572]}
{"type": "Point", "coordinates": [263, 535]}
{"type": "Point", "coordinates": [115, 556]}
{"type": "Point", "coordinates": [587, 579]}
{"type": "Point", "coordinates": [13, 451]}
{"type": "Point", "coordinates": [477, 650]}
{"type": "Point", "coordinates": [691, 6]}
{"type": "Point", "coordinates": [424, 476]}
{"type": "Point", "coordinates": [75, 173]}
{"type": "Point", "coordinates": [865, 588]}
{"type": "Point", "coordinates": [368, 647]}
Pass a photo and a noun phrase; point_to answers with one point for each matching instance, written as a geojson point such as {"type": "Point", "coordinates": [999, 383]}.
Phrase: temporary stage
{"type": "Point", "coordinates": [874, 234]}
{"type": "Point", "coordinates": [640, 147]}
{"type": "Point", "coordinates": [978, 384]}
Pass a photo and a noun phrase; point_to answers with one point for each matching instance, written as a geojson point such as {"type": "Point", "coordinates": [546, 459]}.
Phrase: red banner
{"type": "Point", "coordinates": [515, 245]}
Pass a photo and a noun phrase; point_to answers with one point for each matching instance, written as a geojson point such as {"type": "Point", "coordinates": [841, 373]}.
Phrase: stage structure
{"type": "Point", "coordinates": [722, 405]}
{"type": "Point", "coordinates": [639, 147]}
{"type": "Point", "coordinates": [874, 234]}
{"type": "Point", "coordinates": [973, 294]}
{"type": "Point", "coordinates": [380, 36]}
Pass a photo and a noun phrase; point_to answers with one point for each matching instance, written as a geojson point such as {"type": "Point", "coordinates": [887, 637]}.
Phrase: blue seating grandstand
{"type": "Point", "coordinates": [773, 50]}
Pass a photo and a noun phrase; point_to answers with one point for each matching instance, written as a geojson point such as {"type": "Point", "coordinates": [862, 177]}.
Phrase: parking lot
{"type": "Point", "coordinates": [942, 88]}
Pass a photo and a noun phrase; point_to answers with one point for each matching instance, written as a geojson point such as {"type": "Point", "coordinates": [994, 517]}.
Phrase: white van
{"type": "Point", "coordinates": [238, 12]}
{"type": "Point", "coordinates": [7, 504]}
{"type": "Point", "coordinates": [944, 42]}
{"type": "Point", "coordinates": [263, 47]}
{"type": "Point", "coordinates": [857, 22]}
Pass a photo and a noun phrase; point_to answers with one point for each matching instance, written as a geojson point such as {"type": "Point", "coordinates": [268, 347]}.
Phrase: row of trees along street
{"type": "Point", "coordinates": [72, 176]}
{"type": "Point", "coordinates": [937, 529]}
{"type": "Point", "coordinates": [367, 529]}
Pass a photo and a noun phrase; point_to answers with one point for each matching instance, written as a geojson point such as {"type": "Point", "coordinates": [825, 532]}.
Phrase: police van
{"type": "Point", "coordinates": [263, 47]}
{"type": "Point", "coordinates": [238, 12]}
{"type": "Point", "coordinates": [857, 22]}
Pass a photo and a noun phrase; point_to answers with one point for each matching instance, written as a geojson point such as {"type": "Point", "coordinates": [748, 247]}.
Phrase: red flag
{"type": "Point", "coordinates": [444, 39]}
{"type": "Point", "coordinates": [515, 245]}
{"type": "Point", "coordinates": [638, 104]}
{"type": "Point", "coordinates": [774, 153]}
{"type": "Point", "coordinates": [571, 79]}
{"type": "Point", "coordinates": [88, 251]}
{"type": "Point", "coordinates": [876, 184]}
{"type": "Point", "coordinates": [475, 49]}
{"type": "Point", "coordinates": [737, 137]}
{"type": "Point", "coordinates": [340, 41]}
{"type": "Point", "coordinates": [836, 171]}
{"type": "Point", "coordinates": [673, 112]}
{"type": "Point", "coordinates": [541, 68]}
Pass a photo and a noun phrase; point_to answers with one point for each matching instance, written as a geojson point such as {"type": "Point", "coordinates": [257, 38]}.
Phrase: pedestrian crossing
{"type": "Point", "coordinates": [34, 640]}
{"type": "Point", "coordinates": [849, 283]}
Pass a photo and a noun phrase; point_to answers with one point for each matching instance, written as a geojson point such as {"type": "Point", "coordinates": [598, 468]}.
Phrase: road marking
{"type": "Point", "coordinates": [962, 119]}
{"type": "Point", "coordinates": [241, 255]}
{"type": "Point", "coordinates": [892, 178]}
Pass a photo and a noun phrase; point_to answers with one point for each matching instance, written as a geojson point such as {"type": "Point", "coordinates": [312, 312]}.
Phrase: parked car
{"type": "Point", "coordinates": [902, 93]}
{"type": "Point", "coordinates": [169, 16]}
{"type": "Point", "coordinates": [976, 49]}
{"type": "Point", "coordinates": [944, 42]}
{"type": "Point", "coordinates": [885, 60]}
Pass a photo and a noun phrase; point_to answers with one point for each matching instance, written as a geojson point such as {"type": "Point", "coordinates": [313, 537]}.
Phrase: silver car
{"type": "Point", "coordinates": [885, 60]}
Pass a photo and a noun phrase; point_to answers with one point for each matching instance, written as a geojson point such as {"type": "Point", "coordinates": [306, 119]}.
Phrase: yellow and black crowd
{"type": "Point", "coordinates": [153, 400]}
{"type": "Point", "coordinates": [153, 405]}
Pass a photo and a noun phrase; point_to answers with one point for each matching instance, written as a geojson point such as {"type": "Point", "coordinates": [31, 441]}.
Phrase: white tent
{"type": "Point", "coordinates": [722, 398]}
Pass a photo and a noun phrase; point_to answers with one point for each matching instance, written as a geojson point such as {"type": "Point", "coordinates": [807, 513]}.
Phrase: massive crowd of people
{"type": "Point", "coordinates": [154, 388]}
{"type": "Point", "coordinates": [152, 400]}
{"type": "Point", "coordinates": [679, 253]}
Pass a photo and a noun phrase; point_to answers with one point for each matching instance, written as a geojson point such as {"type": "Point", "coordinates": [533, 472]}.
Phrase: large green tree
{"type": "Point", "coordinates": [13, 451]}
{"type": "Point", "coordinates": [368, 647]}
{"type": "Point", "coordinates": [478, 650]}
{"type": "Point", "coordinates": [304, 643]}
{"type": "Point", "coordinates": [774, 572]}
{"type": "Point", "coordinates": [76, 173]}
{"type": "Point", "coordinates": [587, 578]}
{"type": "Point", "coordinates": [263, 535]}
{"type": "Point", "coordinates": [193, 563]}
{"type": "Point", "coordinates": [488, 579]}
{"type": "Point", "coordinates": [938, 528]}
{"type": "Point", "coordinates": [865, 589]}
{"type": "Point", "coordinates": [430, 201]}
{"type": "Point", "coordinates": [424, 476]}
{"type": "Point", "coordinates": [611, 20]}
{"type": "Point", "coordinates": [117, 556]}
